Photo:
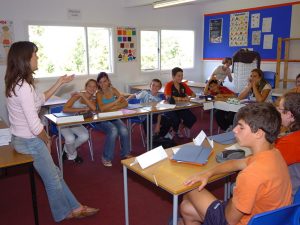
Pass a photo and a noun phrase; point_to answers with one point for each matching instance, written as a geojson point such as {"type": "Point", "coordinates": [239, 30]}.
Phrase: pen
{"type": "Point", "coordinates": [155, 180]}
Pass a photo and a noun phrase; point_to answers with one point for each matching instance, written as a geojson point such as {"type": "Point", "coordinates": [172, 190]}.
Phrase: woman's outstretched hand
{"type": "Point", "coordinates": [66, 78]}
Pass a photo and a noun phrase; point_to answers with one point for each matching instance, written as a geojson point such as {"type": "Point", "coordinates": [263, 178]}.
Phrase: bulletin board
{"type": "Point", "coordinates": [126, 47]}
{"type": "Point", "coordinates": [257, 29]}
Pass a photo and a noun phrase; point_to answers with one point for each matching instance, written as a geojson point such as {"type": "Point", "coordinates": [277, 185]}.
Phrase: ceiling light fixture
{"type": "Point", "coordinates": [167, 3]}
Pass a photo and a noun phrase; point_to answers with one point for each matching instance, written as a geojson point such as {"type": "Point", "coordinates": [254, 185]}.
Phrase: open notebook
{"type": "Point", "coordinates": [193, 154]}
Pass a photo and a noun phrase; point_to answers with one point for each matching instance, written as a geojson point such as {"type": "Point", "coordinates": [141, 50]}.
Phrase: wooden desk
{"type": "Point", "coordinates": [170, 177]}
{"type": "Point", "coordinates": [95, 119]}
{"type": "Point", "coordinates": [10, 158]}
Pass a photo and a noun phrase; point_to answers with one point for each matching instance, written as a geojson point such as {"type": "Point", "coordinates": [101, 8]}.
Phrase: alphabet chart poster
{"type": "Point", "coordinates": [238, 35]}
{"type": "Point", "coordinates": [126, 47]}
{"type": "Point", "coordinates": [6, 39]}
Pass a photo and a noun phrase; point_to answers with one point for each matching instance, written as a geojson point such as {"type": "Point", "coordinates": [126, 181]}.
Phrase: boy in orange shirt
{"type": "Point", "coordinates": [262, 184]}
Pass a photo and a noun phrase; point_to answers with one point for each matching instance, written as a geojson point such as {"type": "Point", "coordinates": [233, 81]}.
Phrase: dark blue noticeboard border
{"type": "Point", "coordinates": [281, 26]}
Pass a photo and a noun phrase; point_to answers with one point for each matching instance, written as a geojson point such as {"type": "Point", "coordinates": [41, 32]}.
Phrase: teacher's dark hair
{"type": "Point", "coordinates": [18, 67]}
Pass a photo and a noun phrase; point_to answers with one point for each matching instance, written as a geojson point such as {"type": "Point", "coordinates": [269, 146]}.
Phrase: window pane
{"type": "Point", "coordinates": [61, 50]}
{"type": "Point", "coordinates": [149, 50]}
{"type": "Point", "coordinates": [99, 40]}
{"type": "Point", "coordinates": [177, 49]}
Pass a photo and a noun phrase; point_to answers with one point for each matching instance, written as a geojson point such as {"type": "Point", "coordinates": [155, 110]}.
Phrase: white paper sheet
{"type": "Point", "coordinates": [208, 105]}
{"type": "Point", "coordinates": [149, 158]}
{"type": "Point", "coordinates": [268, 41]}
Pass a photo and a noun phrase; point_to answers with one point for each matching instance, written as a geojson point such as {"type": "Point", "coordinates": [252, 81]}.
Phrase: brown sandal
{"type": "Point", "coordinates": [84, 212]}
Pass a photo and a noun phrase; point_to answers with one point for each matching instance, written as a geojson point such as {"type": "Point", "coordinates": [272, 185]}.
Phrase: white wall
{"type": "Point", "coordinates": [104, 12]}
{"type": "Point", "coordinates": [112, 12]}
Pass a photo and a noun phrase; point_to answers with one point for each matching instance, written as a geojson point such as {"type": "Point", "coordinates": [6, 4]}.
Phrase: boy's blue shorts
{"type": "Point", "coordinates": [215, 214]}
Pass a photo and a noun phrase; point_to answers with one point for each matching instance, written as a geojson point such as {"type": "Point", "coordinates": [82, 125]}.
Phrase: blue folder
{"type": "Point", "coordinates": [225, 138]}
{"type": "Point", "coordinates": [192, 154]}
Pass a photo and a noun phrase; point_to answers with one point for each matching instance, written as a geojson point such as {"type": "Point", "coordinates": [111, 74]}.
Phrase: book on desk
{"type": "Point", "coordinates": [68, 117]}
{"type": "Point", "coordinates": [193, 154]}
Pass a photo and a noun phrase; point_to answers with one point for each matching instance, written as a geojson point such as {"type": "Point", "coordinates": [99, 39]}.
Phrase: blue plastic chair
{"type": "Point", "coordinates": [288, 215]}
{"type": "Point", "coordinates": [270, 77]}
{"type": "Point", "coordinates": [54, 132]}
{"type": "Point", "coordinates": [133, 121]}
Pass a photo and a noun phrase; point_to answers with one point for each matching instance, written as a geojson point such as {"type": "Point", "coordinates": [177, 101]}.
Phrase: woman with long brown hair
{"type": "Point", "coordinates": [28, 134]}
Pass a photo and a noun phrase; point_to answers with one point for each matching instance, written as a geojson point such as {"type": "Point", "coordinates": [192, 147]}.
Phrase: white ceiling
{"type": "Point", "coordinates": [135, 3]}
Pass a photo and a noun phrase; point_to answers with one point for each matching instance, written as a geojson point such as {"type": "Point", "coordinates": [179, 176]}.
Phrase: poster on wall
{"type": "Point", "coordinates": [267, 24]}
{"type": "Point", "coordinates": [255, 18]}
{"type": "Point", "coordinates": [239, 23]}
{"type": "Point", "coordinates": [215, 30]}
{"type": "Point", "coordinates": [6, 39]}
{"type": "Point", "coordinates": [256, 37]}
{"type": "Point", "coordinates": [126, 47]}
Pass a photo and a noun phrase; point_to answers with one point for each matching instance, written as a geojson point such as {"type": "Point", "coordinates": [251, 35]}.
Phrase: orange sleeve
{"type": "Point", "coordinates": [168, 87]}
{"type": "Point", "coordinates": [188, 90]}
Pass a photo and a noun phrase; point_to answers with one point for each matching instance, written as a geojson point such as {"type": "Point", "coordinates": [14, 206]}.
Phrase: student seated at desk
{"type": "Point", "coordinates": [28, 134]}
{"type": "Point", "coordinates": [215, 89]}
{"type": "Point", "coordinates": [262, 184]}
{"type": "Point", "coordinates": [297, 82]}
{"type": "Point", "coordinates": [223, 71]}
{"type": "Point", "coordinates": [76, 135]}
{"type": "Point", "coordinates": [162, 123]}
{"type": "Point", "coordinates": [110, 99]}
{"type": "Point", "coordinates": [223, 118]}
{"type": "Point", "coordinates": [257, 89]}
{"type": "Point", "coordinates": [177, 91]}
{"type": "Point", "coordinates": [289, 142]}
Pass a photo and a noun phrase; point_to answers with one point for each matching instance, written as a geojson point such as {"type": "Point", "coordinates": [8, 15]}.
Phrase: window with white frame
{"type": "Point", "coordinates": [166, 49]}
{"type": "Point", "coordinates": [72, 50]}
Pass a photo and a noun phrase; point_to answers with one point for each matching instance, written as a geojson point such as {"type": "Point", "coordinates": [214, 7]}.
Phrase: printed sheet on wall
{"type": "Point", "coordinates": [126, 48]}
{"type": "Point", "coordinates": [6, 38]}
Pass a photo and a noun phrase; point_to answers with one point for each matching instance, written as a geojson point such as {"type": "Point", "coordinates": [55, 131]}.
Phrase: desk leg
{"type": "Point", "coordinates": [126, 195]}
{"type": "Point", "coordinates": [33, 194]}
{"type": "Point", "coordinates": [60, 152]}
{"type": "Point", "coordinates": [211, 124]}
{"type": "Point", "coordinates": [130, 134]}
{"type": "Point", "coordinates": [175, 209]}
{"type": "Point", "coordinates": [150, 133]}
{"type": "Point", "coordinates": [147, 133]}
{"type": "Point", "coordinates": [227, 188]}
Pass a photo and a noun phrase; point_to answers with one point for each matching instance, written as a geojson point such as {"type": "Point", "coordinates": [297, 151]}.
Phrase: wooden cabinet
{"type": "Point", "coordinates": [286, 60]}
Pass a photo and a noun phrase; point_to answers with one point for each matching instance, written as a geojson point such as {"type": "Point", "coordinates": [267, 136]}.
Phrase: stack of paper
{"type": "Point", "coordinates": [110, 114]}
{"type": "Point", "coordinates": [197, 100]}
{"type": "Point", "coordinates": [225, 138]}
{"type": "Point", "coordinates": [165, 106]}
{"type": "Point", "coordinates": [68, 117]}
{"type": "Point", "coordinates": [227, 107]}
{"type": "Point", "coordinates": [5, 136]}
